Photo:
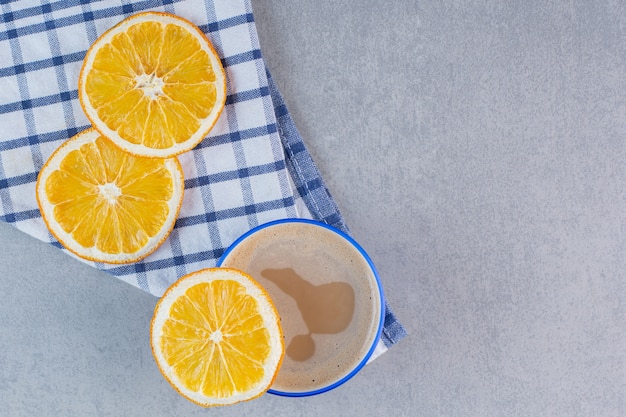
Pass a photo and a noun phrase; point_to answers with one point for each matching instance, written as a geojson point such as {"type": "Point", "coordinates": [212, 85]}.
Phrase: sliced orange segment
{"type": "Point", "coordinates": [216, 337]}
{"type": "Point", "coordinates": [153, 84]}
{"type": "Point", "coordinates": [106, 205]}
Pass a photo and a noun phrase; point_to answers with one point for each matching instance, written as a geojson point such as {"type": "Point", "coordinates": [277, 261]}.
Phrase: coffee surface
{"type": "Point", "coordinates": [325, 308]}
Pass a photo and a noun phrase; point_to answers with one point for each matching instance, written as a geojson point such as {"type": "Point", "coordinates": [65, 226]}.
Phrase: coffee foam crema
{"type": "Point", "coordinates": [326, 294]}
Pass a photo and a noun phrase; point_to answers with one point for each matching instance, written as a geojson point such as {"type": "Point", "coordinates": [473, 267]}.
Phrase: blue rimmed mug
{"type": "Point", "coordinates": [327, 293]}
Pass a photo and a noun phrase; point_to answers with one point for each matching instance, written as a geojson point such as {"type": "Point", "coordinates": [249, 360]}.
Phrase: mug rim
{"type": "Point", "coordinates": [379, 286]}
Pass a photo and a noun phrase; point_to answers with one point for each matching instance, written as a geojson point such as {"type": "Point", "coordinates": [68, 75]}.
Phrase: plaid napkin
{"type": "Point", "coordinates": [252, 168]}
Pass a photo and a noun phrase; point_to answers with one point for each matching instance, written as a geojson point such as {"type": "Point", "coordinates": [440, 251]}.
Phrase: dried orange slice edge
{"type": "Point", "coordinates": [216, 337]}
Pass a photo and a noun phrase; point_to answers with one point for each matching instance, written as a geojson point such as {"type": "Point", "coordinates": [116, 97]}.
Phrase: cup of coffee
{"type": "Point", "coordinates": [327, 293]}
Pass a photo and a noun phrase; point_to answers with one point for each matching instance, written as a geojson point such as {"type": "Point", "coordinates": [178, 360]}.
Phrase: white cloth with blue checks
{"type": "Point", "coordinates": [252, 168]}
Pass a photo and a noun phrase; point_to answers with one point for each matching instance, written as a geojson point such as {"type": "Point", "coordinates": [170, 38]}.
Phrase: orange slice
{"type": "Point", "coordinates": [106, 205]}
{"type": "Point", "coordinates": [216, 337]}
{"type": "Point", "coordinates": [153, 84]}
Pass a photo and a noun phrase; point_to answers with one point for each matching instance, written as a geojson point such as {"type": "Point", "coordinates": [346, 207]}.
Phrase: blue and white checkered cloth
{"type": "Point", "coordinates": [252, 168]}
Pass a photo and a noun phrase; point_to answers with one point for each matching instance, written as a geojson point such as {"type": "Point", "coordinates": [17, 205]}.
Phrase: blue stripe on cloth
{"type": "Point", "coordinates": [249, 171]}
{"type": "Point", "coordinates": [247, 95]}
{"type": "Point", "coordinates": [209, 207]}
{"type": "Point", "coordinates": [42, 64]}
{"type": "Point", "coordinates": [213, 215]}
{"type": "Point", "coordinates": [41, 138]}
{"type": "Point", "coordinates": [74, 19]}
{"type": "Point", "coordinates": [27, 114]}
{"type": "Point", "coordinates": [177, 255]}
{"type": "Point", "coordinates": [34, 11]}
{"type": "Point", "coordinates": [5, 198]}
{"type": "Point", "coordinates": [237, 136]}
{"type": "Point", "coordinates": [101, 14]}
{"type": "Point", "coordinates": [141, 276]}
{"type": "Point", "coordinates": [146, 266]}
{"type": "Point", "coordinates": [227, 23]}
{"type": "Point", "coordinates": [280, 110]}
{"type": "Point", "coordinates": [20, 216]}
{"type": "Point", "coordinates": [19, 180]}
{"type": "Point", "coordinates": [61, 76]}
{"type": "Point", "coordinates": [241, 58]}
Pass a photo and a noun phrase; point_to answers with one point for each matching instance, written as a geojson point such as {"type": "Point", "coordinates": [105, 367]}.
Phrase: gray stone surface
{"type": "Point", "coordinates": [477, 152]}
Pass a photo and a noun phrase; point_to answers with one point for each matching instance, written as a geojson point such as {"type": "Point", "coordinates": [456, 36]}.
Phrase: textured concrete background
{"type": "Point", "coordinates": [477, 152]}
